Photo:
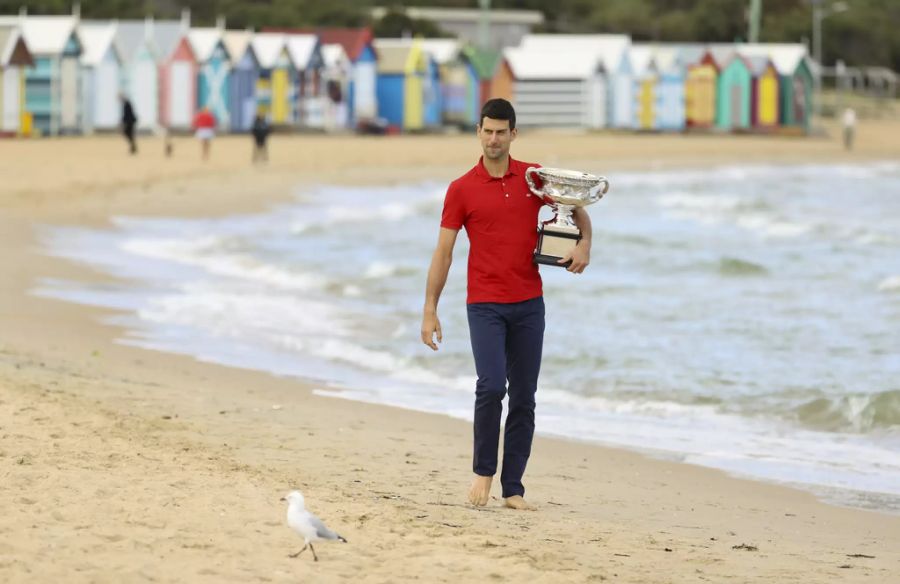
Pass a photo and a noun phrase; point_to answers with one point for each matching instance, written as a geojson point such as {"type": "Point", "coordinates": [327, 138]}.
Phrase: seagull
{"type": "Point", "coordinates": [306, 524]}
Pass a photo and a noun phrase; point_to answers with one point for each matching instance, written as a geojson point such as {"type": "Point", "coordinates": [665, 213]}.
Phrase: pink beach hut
{"type": "Point", "coordinates": [178, 83]}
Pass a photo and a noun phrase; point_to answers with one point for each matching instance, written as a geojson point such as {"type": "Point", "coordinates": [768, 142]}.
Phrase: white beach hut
{"type": "Point", "coordinates": [101, 63]}
{"type": "Point", "coordinates": [14, 59]}
{"type": "Point", "coordinates": [136, 41]}
{"type": "Point", "coordinates": [613, 53]}
{"type": "Point", "coordinates": [53, 85]}
{"type": "Point", "coordinates": [557, 86]}
{"type": "Point", "coordinates": [306, 54]}
{"type": "Point", "coordinates": [337, 71]}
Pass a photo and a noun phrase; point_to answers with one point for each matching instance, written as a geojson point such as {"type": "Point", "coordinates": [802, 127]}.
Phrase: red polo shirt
{"type": "Point", "coordinates": [500, 216]}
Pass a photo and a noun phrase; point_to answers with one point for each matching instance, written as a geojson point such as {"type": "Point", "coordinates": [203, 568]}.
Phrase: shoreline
{"type": "Point", "coordinates": [189, 455]}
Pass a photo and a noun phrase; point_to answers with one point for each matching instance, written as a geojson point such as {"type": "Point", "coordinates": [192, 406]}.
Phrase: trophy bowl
{"type": "Point", "coordinates": [562, 190]}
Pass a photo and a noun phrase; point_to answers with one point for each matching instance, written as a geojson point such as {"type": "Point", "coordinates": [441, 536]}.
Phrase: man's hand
{"type": "Point", "coordinates": [431, 327]}
{"type": "Point", "coordinates": [580, 256]}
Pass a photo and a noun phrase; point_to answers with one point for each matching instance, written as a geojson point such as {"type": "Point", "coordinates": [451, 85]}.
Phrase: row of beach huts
{"type": "Point", "coordinates": [65, 75]}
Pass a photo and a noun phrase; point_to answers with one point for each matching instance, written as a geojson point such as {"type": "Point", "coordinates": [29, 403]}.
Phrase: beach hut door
{"type": "Point", "coordinates": [799, 101]}
{"type": "Point", "coordinates": [736, 99]}
{"type": "Point", "coordinates": [180, 95]}
{"type": "Point", "coordinates": [69, 81]}
{"type": "Point", "coordinates": [364, 92]}
{"type": "Point", "coordinates": [10, 100]}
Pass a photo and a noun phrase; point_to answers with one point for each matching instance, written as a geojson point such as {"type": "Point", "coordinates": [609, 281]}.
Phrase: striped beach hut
{"type": "Point", "coordinates": [459, 82]}
{"type": "Point", "coordinates": [646, 82]}
{"type": "Point", "coordinates": [276, 86]}
{"type": "Point", "coordinates": [336, 75]}
{"type": "Point", "coordinates": [557, 86]}
{"type": "Point", "coordinates": [243, 79]}
{"type": "Point", "coordinates": [670, 89]}
{"type": "Point", "coordinates": [402, 68]}
{"type": "Point", "coordinates": [178, 80]}
{"type": "Point", "coordinates": [101, 76]}
{"type": "Point", "coordinates": [733, 92]}
{"type": "Point", "coordinates": [432, 98]}
{"type": "Point", "coordinates": [765, 94]}
{"type": "Point", "coordinates": [53, 85]}
{"type": "Point", "coordinates": [15, 58]}
{"type": "Point", "coordinates": [306, 55]}
{"type": "Point", "coordinates": [701, 80]}
{"type": "Point", "coordinates": [213, 72]}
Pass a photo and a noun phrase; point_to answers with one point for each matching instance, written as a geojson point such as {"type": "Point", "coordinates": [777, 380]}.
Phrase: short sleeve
{"type": "Point", "coordinates": [454, 213]}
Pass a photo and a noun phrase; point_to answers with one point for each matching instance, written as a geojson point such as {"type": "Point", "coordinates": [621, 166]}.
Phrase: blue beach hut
{"type": "Point", "coordinates": [243, 79]}
{"type": "Point", "coordinates": [402, 71]}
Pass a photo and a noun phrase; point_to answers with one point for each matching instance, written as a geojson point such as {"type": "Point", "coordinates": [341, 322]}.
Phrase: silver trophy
{"type": "Point", "coordinates": [562, 190]}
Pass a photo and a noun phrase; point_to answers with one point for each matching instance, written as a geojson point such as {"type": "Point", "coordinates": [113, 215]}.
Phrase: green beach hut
{"type": "Point", "coordinates": [734, 91]}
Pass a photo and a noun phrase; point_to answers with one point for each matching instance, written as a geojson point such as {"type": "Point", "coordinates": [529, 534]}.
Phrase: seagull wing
{"type": "Point", "coordinates": [321, 530]}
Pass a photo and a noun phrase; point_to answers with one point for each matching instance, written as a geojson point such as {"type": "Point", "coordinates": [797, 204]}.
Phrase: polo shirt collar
{"type": "Point", "coordinates": [481, 171]}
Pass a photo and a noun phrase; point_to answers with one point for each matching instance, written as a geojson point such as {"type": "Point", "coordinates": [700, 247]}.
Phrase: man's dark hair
{"type": "Point", "coordinates": [498, 109]}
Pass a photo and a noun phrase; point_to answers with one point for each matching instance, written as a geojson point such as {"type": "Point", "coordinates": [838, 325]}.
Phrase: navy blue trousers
{"type": "Point", "coordinates": [507, 341]}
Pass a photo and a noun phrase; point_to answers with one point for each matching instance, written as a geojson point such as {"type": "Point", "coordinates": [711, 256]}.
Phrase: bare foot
{"type": "Point", "coordinates": [480, 491]}
{"type": "Point", "coordinates": [518, 503]}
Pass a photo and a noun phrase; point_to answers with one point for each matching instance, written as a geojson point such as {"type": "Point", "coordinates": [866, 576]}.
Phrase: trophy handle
{"type": "Point", "coordinates": [597, 192]}
{"type": "Point", "coordinates": [530, 180]}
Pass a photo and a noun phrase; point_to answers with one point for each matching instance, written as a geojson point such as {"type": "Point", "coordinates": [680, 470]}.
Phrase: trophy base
{"type": "Point", "coordinates": [554, 243]}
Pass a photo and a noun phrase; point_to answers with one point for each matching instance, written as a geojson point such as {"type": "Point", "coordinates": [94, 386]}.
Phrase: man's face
{"type": "Point", "coordinates": [495, 137]}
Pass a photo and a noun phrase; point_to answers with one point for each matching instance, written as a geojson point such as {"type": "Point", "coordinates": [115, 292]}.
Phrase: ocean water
{"type": "Point", "coordinates": [743, 318]}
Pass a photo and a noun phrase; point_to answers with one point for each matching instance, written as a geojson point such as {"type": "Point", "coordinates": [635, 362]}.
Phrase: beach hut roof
{"type": "Point", "coordinates": [443, 51]}
{"type": "Point", "coordinates": [354, 40]}
{"type": "Point", "coordinates": [485, 61]}
{"type": "Point", "coordinates": [166, 36]}
{"type": "Point", "coordinates": [131, 35]}
{"type": "Point", "coordinates": [44, 35]}
{"type": "Point", "coordinates": [334, 56]}
{"type": "Point", "coordinates": [529, 63]}
{"type": "Point", "coordinates": [12, 44]}
{"type": "Point", "coordinates": [162, 36]}
{"type": "Point", "coordinates": [758, 64]}
{"type": "Point", "coordinates": [236, 43]}
{"type": "Point", "coordinates": [204, 41]}
{"type": "Point", "coordinates": [642, 58]}
{"type": "Point", "coordinates": [394, 54]}
{"type": "Point", "coordinates": [96, 41]}
{"type": "Point", "coordinates": [610, 49]}
{"type": "Point", "coordinates": [302, 47]}
{"type": "Point", "coordinates": [268, 47]}
{"type": "Point", "coordinates": [785, 57]}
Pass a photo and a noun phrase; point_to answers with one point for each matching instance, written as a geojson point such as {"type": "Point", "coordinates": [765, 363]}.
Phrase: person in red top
{"type": "Point", "coordinates": [505, 306]}
{"type": "Point", "coordinates": [205, 125]}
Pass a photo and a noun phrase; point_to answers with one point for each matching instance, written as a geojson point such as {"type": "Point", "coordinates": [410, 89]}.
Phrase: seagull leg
{"type": "Point", "coordinates": [298, 553]}
{"type": "Point", "coordinates": [315, 557]}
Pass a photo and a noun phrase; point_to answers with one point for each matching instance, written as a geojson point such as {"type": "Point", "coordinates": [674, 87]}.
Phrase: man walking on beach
{"type": "Point", "coordinates": [129, 121]}
{"type": "Point", "coordinates": [505, 306]}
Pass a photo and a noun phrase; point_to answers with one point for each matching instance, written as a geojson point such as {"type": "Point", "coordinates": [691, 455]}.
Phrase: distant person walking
{"type": "Point", "coordinates": [849, 123]}
{"type": "Point", "coordinates": [260, 132]}
{"type": "Point", "coordinates": [129, 121]}
{"type": "Point", "coordinates": [205, 126]}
